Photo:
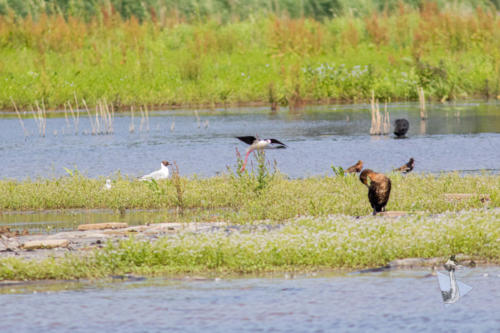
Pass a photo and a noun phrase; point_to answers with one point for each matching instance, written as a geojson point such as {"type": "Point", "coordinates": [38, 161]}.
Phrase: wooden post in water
{"type": "Point", "coordinates": [387, 121]}
{"type": "Point", "coordinates": [421, 98]}
{"type": "Point", "coordinates": [379, 125]}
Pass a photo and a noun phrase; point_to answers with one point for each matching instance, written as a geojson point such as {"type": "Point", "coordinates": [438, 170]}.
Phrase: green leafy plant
{"type": "Point", "coordinates": [155, 188]}
{"type": "Point", "coordinates": [338, 171]}
{"type": "Point", "coordinates": [72, 173]}
{"type": "Point", "coordinates": [179, 188]}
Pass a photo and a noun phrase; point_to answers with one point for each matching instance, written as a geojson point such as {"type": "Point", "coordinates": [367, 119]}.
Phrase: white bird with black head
{"type": "Point", "coordinates": [163, 173]}
{"type": "Point", "coordinates": [259, 144]}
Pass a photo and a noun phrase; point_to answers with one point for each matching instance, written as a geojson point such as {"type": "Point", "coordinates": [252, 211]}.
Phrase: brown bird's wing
{"type": "Point", "coordinates": [402, 168]}
{"type": "Point", "coordinates": [351, 169]}
{"type": "Point", "coordinates": [379, 194]}
{"type": "Point", "coordinates": [247, 139]}
{"type": "Point", "coordinates": [355, 168]}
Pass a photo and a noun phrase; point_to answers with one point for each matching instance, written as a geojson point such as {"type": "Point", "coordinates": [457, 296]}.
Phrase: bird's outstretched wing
{"type": "Point", "coordinates": [278, 142]}
{"type": "Point", "coordinates": [247, 139]}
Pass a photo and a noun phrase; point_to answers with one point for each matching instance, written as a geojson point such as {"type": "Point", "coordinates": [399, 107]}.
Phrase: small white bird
{"type": "Point", "coordinates": [107, 186]}
{"type": "Point", "coordinates": [259, 144]}
{"type": "Point", "coordinates": [163, 173]}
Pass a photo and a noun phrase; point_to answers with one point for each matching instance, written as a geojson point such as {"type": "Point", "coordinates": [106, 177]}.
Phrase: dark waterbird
{"type": "Point", "coordinates": [259, 144]}
{"type": "Point", "coordinates": [401, 126]}
{"type": "Point", "coordinates": [379, 189]}
{"type": "Point", "coordinates": [355, 168]}
{"type": "Point", "coordinates": [407, 167]}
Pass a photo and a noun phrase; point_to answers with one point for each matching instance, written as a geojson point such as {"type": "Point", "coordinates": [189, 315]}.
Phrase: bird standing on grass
{"type": "Point", "coordinates": [407, 167]}
{"type": "Point", "coordinates": [107, 186]}
{"type": "Point", "coordinates": [259, 144]}
{"type": "Point", "coordinates": [163, 173]}
{"type": "Point", "coordinates": [379, 189]}
{"type": "Point", "coordinates": [355, 168]}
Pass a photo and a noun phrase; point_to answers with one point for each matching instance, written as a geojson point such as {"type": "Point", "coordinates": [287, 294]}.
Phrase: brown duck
{"type": "Point", "coordinates": [379, 189]}
{"type": "Point", "coordinates": [407, 167]}
{"type": "Point", "coordinates": [355, 168]}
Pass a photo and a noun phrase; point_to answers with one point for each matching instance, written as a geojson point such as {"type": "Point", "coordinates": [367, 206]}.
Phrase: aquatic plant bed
{"type": "Point", "coordinates": [337, 241]}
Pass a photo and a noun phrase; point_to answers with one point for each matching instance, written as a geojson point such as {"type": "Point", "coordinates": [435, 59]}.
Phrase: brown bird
{"type": "Point", "coordinates": [379, 189]}
{"type": "Point", "coordinates": [355, 168]}
{"type": "Point", "coordinates": [407, 167]}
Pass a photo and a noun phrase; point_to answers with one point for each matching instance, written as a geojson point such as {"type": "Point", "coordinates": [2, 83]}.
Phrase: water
{"type": "Point", "coordinates": [51, 221]}
{"type": "Point", "coordinates": [389, 301]}
{"type": "Point", "coordinates": [462, 136]}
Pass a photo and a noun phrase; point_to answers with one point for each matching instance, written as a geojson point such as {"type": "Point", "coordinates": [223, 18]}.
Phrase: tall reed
{"type": "Point", "coordinates": [380, 125]}
{"type": "Point", "coordinates": [25, 131]}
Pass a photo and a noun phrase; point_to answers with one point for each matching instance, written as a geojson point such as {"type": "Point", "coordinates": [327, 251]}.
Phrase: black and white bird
{"type": "Point", "coordinates": [259, 144]}
{"type": "Point", "coordinates": [163, 173]}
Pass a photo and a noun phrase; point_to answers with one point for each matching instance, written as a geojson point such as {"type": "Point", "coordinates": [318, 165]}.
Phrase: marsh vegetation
{"type": "Point", "coordinates": [287, 55]}
{"type": "Point", "coordinates": [300, 244]}
{"type": "Point", "coordinates": [239, 198]}
{"type": "Point", "coordinates": [97, 57]}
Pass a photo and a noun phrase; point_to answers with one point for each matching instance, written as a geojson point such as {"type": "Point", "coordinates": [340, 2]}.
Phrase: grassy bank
{"type": "Point", "coordinates": [309, 243]}
{"type": "Point", "coordinates": [452, 52]}
{"type": "Point", "coordinates": [239, 198]}
{"type": "Point", "coordinates": [195, 10]}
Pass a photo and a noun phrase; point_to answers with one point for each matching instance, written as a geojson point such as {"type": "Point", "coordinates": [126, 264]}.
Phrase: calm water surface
{"type": "Point", "coordinates": [461, 136]}
{"type": "Point", "coordinates": [52, 221]}
{"type": "Point", "coordinates": [390, 301]}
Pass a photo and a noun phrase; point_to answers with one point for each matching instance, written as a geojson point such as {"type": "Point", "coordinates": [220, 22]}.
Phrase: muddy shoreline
{"type": "Point", "coordinates": [39, 247]}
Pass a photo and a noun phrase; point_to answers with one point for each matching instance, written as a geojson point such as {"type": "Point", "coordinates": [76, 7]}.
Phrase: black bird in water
{"type": "Point", "coordinates": [407, 167]}
{"type": "Point", "coordinates": [379, 189]}
{"type": "Point", "coordinates": [401, 126]}
{"type": "Point", "coordinates": [355, 168]}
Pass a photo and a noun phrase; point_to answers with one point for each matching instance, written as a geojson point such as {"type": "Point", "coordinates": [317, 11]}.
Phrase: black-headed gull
{"type": "Point", "coordinates": [259, 144]}
{"type": "Point", "coordinates": [163, 173]}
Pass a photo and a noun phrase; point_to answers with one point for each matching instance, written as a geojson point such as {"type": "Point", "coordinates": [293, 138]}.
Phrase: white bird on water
{"type": "Point", "coordinates": [259, 144]}
{"type": "Point", "coordinates": [163, 173]}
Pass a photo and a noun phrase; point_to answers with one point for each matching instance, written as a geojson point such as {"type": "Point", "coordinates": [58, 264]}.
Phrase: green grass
{"type": "Point", "coordinates": [238, 198]}
{"type": "Point", "coordinates": [304, 243]}
{"type": "Point", "coordinates": [451, 52]}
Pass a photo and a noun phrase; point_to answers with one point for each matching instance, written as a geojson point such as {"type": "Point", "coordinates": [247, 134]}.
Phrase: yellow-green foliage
{"type": "Point", "coordinates": [304, 243]}
{"type": "Point", "coordinates": [245, 198]}
{"type": "Point", "coordinates": [450, 52]}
